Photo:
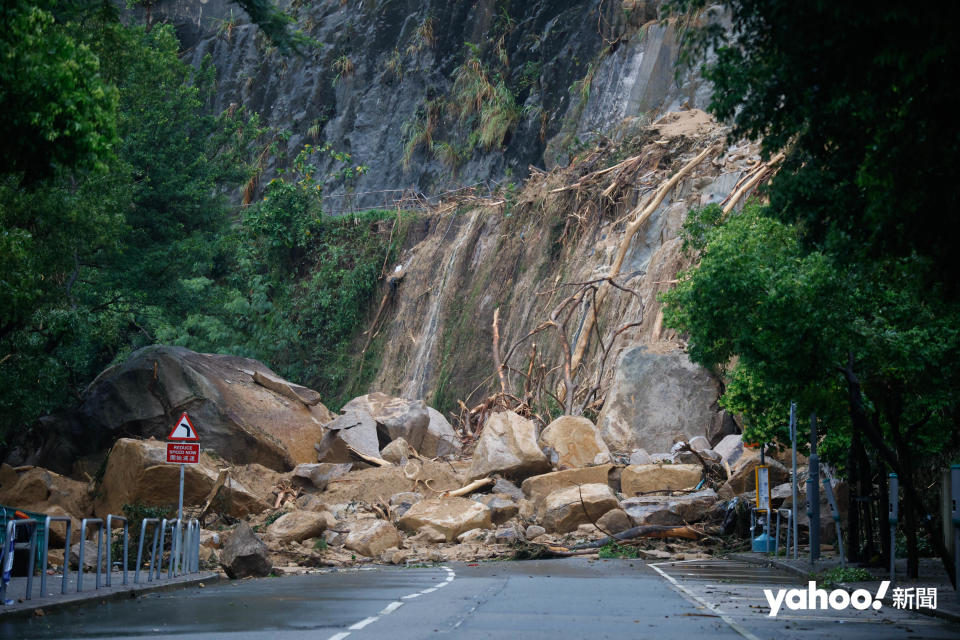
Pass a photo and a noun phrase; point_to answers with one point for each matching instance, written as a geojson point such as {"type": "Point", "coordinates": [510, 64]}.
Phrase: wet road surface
{"type": "Point", "coordinates": [544, 599]}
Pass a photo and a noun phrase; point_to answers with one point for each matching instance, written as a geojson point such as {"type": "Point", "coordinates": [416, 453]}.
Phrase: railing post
{"type": "Point", "coordinates": [143, 536]}
{"type": "Point", "coordinates": [110, 519]}
{"type": "Point", "coordinates": [46, 552]}
{"type": "Point", "coordinates": [9, 545]}
{"type": "Point", "coordinates": [31, 557]}
{"type": "Point", "coordinates": [83, 539]}
{"type": "Point", "coordinates": [163, 532]}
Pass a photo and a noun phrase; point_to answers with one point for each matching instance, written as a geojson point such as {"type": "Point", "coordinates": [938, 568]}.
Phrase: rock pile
{"type": "Point", "coordinates": [388, 481]}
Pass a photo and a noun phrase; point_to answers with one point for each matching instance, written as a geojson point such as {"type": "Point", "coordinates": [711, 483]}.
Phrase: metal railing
{"type": "Point", "coordinates": [153, 553]}
{"type": "Point", "coordinates": [110, 521]}
{"type": "Point", "coordinates": [46, 553]}
{"type": "Point", "coordinates": [83, 544]}
{"type": "Point", "coordinates": [12, 545]}
{"type": "Point", "coordinates": [183, 558]}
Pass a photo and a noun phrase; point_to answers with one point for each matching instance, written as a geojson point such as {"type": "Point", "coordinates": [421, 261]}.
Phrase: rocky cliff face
{"type": "Point", "coordinates": [381, 83]}
{"type": "Point", "coordinates": [433, 95]}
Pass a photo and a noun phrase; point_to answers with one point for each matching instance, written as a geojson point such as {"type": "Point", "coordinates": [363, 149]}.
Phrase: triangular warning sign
{"type": "Point", "coordinates": [183, 430]}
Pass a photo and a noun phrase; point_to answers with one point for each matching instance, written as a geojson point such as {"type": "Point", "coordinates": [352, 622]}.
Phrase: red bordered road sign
{"type": "Point", "coordinates": [183, 452]}
{"type": "Point", "coordinates": [184, 430]}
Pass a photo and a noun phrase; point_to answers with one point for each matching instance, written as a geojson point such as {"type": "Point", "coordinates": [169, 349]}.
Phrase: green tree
{"type": "Point", "coordinates": [857, 98]}
{"type": "Point", "coordinates": [862, 344]}
{"type": "Point", "coordinates": [55, 108]}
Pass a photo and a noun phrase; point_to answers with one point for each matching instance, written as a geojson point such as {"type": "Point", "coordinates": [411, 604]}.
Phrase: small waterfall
{"type": "Point", "coordinates": [423, 362]}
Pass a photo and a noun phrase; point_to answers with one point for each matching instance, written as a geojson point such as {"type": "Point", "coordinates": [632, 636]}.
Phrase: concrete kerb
{"type": "Point", "coordinates": [760, 559]}
{"type": "Point", "coordinates": [27, 608]}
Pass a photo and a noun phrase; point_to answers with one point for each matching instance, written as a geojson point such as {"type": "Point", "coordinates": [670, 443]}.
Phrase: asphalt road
{"type": "Point", "coordinates": [549, 599]}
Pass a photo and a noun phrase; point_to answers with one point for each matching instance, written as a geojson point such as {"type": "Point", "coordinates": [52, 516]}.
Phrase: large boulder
{"type": "Point", "coordinates": [372, 537]}
{"type": "Point", "coordinates": [43, 491]}
{"type": "Point", "coordinates": [669, 510]}
{"type": "Point", "coordinates": [536, 488]}
{"type": "Point", "coordinates": [239, 419]}
{"type": "Point", "coordinates": [508, 445]}
{"type": "Point", "coordinates": [743, 472]}
{"type": "Point", "coordinates": [566, 509]}
{"type": "Point", "coordinates": [137, 473]}
{"type": "Point", "coordinates": [395, 417]}
{"type": "Point", "coordinates": [448, 516]}
{"type": "Point", "coordinates": [440, 439]}
{"type": "Point", "coordinates": [244, 554]}
{"type": "Point", "coordinates": [297, 526]}
{"type": "Point", "coordinates": [656, 399]}
{"type": "Point", "coordinates": [576, 441]}
{"type": "Point", "coordinates": [356, 429]}
{"type": "Point", "coordinates": [646, 478]}
{"type": "Point", "coordinates": [502, 506]}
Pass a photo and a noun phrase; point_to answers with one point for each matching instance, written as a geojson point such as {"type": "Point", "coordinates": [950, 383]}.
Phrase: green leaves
{"type": "Point", "coordinates": [57, 111]}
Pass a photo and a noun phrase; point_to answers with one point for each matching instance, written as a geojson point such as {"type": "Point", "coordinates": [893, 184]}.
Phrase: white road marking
{"type": "Point", "coordinates": [390, 608]}
{"type": "Point", "coordinates": [733, 624]}
{"type": "Point", "coordinates": [363, 623]}
{"type": "Point", "coordinates": [393, 606]}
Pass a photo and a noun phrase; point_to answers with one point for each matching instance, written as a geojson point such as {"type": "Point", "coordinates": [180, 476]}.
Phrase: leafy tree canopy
{"type": "Point", "coordinates": [862, 97]}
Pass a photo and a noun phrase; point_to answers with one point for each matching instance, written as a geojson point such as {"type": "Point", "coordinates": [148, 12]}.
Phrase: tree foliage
{"type": "Point", "coordinates": [842, 292]}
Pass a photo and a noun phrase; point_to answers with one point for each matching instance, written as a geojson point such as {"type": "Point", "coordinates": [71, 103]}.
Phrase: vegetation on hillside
{"type": "Point", "coordinates": [115, 228]}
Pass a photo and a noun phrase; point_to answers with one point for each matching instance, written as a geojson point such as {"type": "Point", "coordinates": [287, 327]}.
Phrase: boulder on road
{"type": "Point", "coordinates": [577, 442]}
{"type": "Point", "coordinates": [448, 516]}
{"type": "Point", "coordinates": [566, 509]}
{"type": "Point", "coordinates": [502, 506]}
{"type": "Point", "coordinates": [356, 429]}
{"type": "Point", "coordinates": [395, 417]}
{"type": "Point", "coordinates": [669, 510]}
{"type": "Point", "coordinates": [137, 472]}
{"type": "Point", "coordinates": [239, 419]}
{"type": "Point", "coordinates": [244, 554]}
{"type": "Point", "coordinates": [43, 491]}
{"type": "Point", "coordinates": [372, 537]}
{"type": "Point", "coordinates": [297, 526]}
{"type": "Point", "coordinates": [656, 399]}
{"type": "Point", "coordinates": [615, 521]}
{"type": "Point", "coordinates": [536, 488]}
{"type": "Point", "coordinates": [440, 440]}
{"type": "Point", "coordinates": [508, 445]}
{"type": "Point", "coordinates": [646, 478]}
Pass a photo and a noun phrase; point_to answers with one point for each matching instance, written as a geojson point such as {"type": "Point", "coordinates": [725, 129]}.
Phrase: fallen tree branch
{"type": "Point", "coordinates": [642, 214]}
{"type": "Point", "coordinates": [496, 351]}
{"type": "Point", "coordinates": [380, 462]}
{"type": "Point", "coordinates": [467, 488]}
{"type": "Point", "coordinates": [221, 480]}
{"type": "Point", "coordinates": [644, 531]}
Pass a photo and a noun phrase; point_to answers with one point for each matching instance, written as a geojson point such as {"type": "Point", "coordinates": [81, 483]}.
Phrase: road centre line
{"type": "Point", "coordinates": [393, 606]}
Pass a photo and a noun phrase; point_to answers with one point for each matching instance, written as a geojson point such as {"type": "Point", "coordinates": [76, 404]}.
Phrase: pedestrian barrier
{"type": "Point", "coordinates": [9, 551]}
{"type": "Point", "coordinates": [46, 552]}
{"type": "Point", "coordinates": [183, 553]}
{"type": "Point", "coordinates": [83, 544]}
{"type": "Point", "coordinates": [110, 521]}
{"type": "Point", "coordinates": [153, 554]}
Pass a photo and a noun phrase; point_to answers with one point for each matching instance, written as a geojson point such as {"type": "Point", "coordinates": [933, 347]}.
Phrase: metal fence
{"type": "Point", "coordinates": [182, 553]}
